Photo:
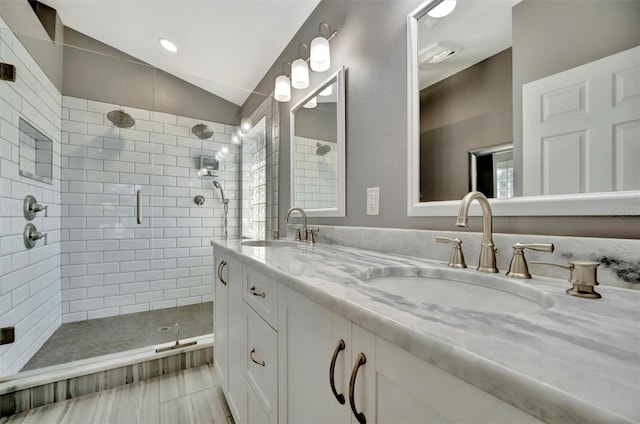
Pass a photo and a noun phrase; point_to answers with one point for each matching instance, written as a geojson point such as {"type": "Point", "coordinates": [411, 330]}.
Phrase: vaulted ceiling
{"type": "Point", "coordinates": [224, 46]}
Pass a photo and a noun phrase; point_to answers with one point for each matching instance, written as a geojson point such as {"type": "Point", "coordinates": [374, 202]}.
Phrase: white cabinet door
{"type": "Point", "coordinates": [236, 318]}
{"type": "Point", "coordinates": [220, 323]}
{"type": "Point", "coordinates": [581, 128]}
{"type": "Point", "coordinates": [309, 336]}
{"type": "Point", "coordinates": [410, 390]}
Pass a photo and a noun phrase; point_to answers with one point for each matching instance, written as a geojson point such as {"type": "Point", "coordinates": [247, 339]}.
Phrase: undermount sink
{"type": "Point", "coordinates": [463, 289]}
{"type": "Point", "coordinates": [269, 243]}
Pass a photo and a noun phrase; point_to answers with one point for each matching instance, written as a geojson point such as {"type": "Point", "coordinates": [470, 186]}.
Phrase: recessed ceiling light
{"type": "Point", "coordinates": [443, 9]}
{"type": "Point", "coordinates": [168, 45]}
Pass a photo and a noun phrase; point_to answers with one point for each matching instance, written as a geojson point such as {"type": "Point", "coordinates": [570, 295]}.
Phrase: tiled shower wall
{"type": "Point", "coordinates": [316, 175]}
{"type": "Point", "coordinates": [110, 264]}
{"type": "Point", "coordinates": [29, 279]}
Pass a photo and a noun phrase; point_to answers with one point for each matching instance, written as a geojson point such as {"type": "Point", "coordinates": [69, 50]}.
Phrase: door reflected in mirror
{"type": "Point", "coordinates": [317, 150]}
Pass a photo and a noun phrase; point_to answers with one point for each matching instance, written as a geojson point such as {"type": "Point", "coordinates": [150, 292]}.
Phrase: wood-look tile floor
{"type": "Point", "coordinates": [188, 396]}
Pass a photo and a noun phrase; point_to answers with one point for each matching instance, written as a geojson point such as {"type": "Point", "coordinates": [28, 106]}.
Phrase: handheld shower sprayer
{"type": "Point", "coordinates": [225, 203]}
{"type": "Point", "coordinates": [217, 185]}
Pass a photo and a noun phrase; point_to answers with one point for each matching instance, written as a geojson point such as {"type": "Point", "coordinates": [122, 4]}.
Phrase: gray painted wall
{"type": "Point", "coordinates": [25, 24]}
{"type": "Point", "coordinates": [319, 123]}
{"type": "Point", "coordinates": [468, 110]}
{"type": "Point", "coordinates": [372, 45]}
{"type": "Point", "coordinates": [96, 71]}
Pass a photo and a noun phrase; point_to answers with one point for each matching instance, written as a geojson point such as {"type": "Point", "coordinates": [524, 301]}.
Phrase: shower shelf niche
{"type": "Point", "coordinates": [36, 154]}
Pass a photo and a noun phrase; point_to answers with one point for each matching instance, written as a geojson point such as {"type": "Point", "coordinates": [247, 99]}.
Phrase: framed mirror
{"type": "Point", "coordinates": [487, 75]}
{"type": "Point", "coordinates": [318, 149]}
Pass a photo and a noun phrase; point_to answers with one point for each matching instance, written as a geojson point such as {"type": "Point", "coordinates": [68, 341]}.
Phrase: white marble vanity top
{"type": "Point", "coordinates": [576, 362]}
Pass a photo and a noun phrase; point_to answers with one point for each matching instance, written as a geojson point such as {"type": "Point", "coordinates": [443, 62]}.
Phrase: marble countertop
{"type": "Point", "coordinates": [575, 361]}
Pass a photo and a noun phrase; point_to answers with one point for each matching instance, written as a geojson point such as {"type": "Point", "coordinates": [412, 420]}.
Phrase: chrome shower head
{"type": "Point", "coordinates": [202, 131]}
{"type": "Point", "coordinates": [121, 119]}
{"type": "Point", "coordinates": [322, 149]}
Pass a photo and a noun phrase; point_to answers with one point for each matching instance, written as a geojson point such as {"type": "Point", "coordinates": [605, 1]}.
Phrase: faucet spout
{"type": "Point", "coordinates": [487, 260]}
{"type": "Point", "coordinates": [304, 220]}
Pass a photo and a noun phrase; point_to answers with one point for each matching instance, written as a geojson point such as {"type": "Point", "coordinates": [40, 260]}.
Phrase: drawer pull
{"type": "Point", "coordinates": [332, 369]}
{"type": "Point", "coordinates": [254, 292]}
{"type": "Point", "coordinates": [352, 386]}
{"type": "Point", "coordinates": [261, 363]}
{"type": "Point", "coordinates": [220, 268]}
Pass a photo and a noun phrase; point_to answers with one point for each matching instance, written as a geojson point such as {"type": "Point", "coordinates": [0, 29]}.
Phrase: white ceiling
{"type": "Point", "coordinates": [224, 46]}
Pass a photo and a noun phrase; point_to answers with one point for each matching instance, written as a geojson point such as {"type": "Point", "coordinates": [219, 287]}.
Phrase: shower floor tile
{"type": "Point", "coordinates": [103, 336]}
{"type": "Point", "coordinates": [188, 396]}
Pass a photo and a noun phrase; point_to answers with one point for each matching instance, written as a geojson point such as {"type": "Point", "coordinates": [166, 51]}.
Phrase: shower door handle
{"type": "Point", "coordinates": [139, 206]}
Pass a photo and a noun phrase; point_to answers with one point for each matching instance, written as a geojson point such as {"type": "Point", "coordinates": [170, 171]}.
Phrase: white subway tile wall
{"type": "Point", "coordinates": [316, 176]}
{"type": "Point", "coordinates": [110, 264]}
{"type": "Point", "coordinates": [30, 296]}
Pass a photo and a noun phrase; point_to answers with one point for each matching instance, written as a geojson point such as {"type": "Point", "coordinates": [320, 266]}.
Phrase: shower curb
{"type": "Point", "coordinates": [59, 383]}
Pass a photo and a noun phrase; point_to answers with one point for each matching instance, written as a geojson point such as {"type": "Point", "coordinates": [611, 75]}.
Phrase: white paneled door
{"type": "Point", "coordinates": [582, 128]}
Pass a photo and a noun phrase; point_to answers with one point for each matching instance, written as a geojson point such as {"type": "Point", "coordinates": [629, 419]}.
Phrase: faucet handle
{"type": "Point", "coordinates": [518, 267]}
{"type": "Point", "coordinates": [311, 234]}
{"type": "Point", "coordinates": [457, 257]}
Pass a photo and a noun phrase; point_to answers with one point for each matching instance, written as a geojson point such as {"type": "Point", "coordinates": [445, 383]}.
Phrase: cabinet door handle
{"type": "Point", "coordinates": [352, 386]}
{"type": "Point", "coordinates": [332, 369]}
{"type": "Point", "coordinates": [255, 361]}
{"type": "Point", "coordinates": [220, 268]}
{"type": "Point", "coordinates": [254, 292]}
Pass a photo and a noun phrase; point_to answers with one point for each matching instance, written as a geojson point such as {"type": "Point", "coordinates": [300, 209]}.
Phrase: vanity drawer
{"type": "Point", "coordinates": [261, 293]}
{"type": "Point", "coordinates": [262, 363]}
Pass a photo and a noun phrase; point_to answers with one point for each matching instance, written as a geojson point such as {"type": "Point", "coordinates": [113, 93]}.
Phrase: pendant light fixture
{"type": "Point", "coordinates": [282, 91]}
{"type": "Point", "coordinates": [327, 91]}
{"type": "Point", "coordinates": [300, 71]}
{"type": "Point", "coordinates": [320, 55]}
{"type": "Point", "coordinates": [444, 8]}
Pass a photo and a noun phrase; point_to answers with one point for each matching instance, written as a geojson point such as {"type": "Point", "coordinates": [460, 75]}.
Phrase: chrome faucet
{"type": "Point", "coordinates": [302, 236]}
{"type": "Point", "coordinates": [487, 260]}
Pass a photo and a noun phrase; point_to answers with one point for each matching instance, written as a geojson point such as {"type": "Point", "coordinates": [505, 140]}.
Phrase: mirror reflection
{"type": "Point", "coordinates": [317, 150]}
{"type": "Point", "coordinates": [488, 77]}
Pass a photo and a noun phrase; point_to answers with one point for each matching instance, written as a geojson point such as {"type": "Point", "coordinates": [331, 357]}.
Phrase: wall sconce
{"type": "Point", "coordinates": [320, 55]}
{"type": "Point", "coordinates": [300, 71]}
{"type": "Point", "coordinates": [282, 91]}
{"type": "Point", "coordinates": [320, 60]}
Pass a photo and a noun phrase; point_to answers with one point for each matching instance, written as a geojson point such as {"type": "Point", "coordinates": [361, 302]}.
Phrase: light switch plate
{"type": "Point", "coordinates": [373, 201]}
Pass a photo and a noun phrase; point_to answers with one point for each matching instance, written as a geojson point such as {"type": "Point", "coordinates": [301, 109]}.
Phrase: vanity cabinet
{"type": "Point", "coordinates": [390, 385]}
{"type": "Point", "coordinates": [289, 359]}
{"type": "Point", "coordinates": [229, 331]}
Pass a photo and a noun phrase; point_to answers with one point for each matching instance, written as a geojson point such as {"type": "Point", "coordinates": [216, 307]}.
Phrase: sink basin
{"type": "Point", "coordinates": [269, 243]}
{"type": "Point", "coordinates": [479, 292]}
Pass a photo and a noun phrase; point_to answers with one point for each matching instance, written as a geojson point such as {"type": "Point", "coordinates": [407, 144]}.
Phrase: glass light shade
{"type": "Point", "coordinates": [327, 91]}
{"type": "Point", "coordinates": [283, 89]}
{"type": "Point", "coordinates": [245, 125]}
{"type": "Point", "coordinates": [320, 59]}
{"type": "Point", "coordinates": [299, 74]}
{"type": "Point", "coordinates": [443, 9]}
{"type": "Point", "coordinates": [311, 103]}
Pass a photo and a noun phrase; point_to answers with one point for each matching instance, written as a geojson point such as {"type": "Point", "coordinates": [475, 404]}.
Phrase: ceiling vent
{"type": "Point", "coordinates": [438, 52]}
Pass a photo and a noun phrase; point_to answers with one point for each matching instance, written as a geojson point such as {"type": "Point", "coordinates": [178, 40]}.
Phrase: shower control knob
{"type": "Point", "coordinates": [199, 200]}
{"type": "Point", "coordinates": [32, 235]}
{"type": "Point", "coordinates": [31, 207]}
